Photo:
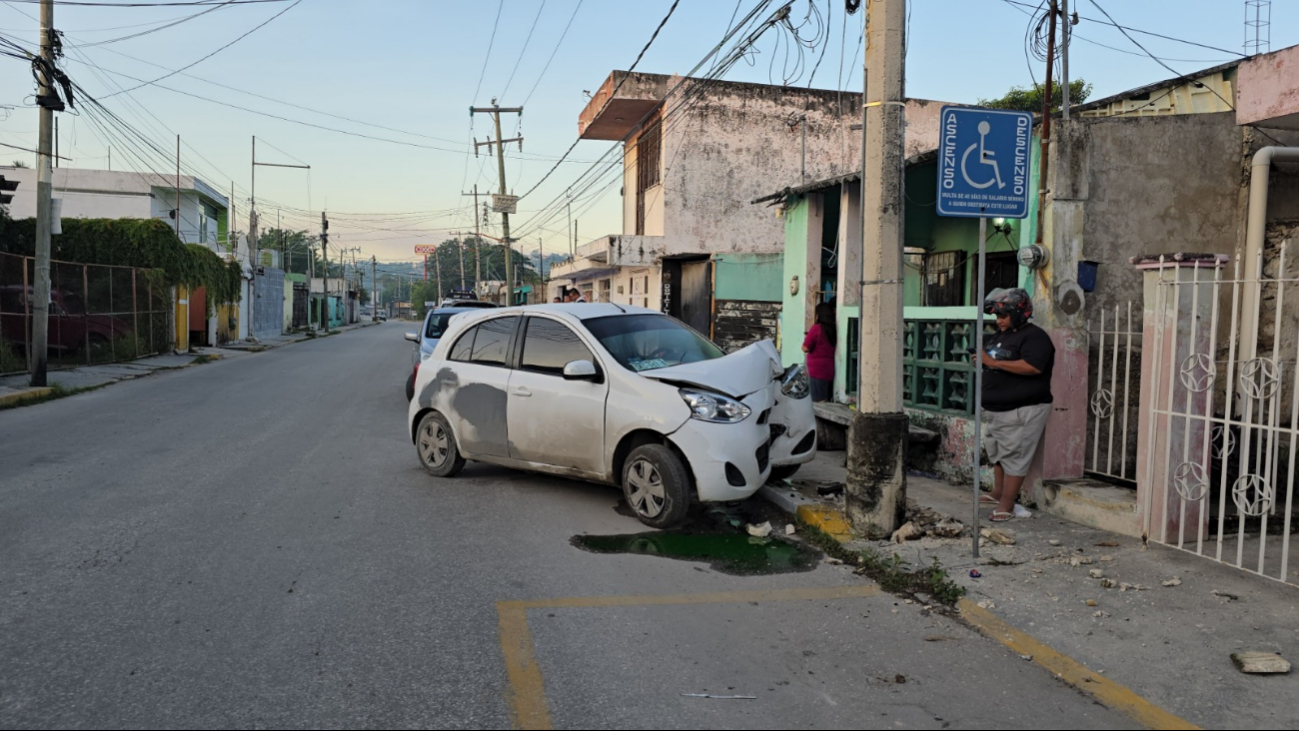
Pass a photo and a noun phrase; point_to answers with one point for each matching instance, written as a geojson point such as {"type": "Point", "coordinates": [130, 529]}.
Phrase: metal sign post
{"type": "Point", "coordinates": [983, 171]}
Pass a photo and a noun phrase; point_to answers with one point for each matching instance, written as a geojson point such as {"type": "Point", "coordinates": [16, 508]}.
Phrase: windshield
{"type": "Point", "coordinates": [437, 324]}
{"type": "Point", "coordinates": [647, 342]}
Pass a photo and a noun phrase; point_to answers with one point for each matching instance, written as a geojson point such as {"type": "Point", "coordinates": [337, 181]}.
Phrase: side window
{"type": "Point", "coordinates": [464, 346]}
{"type": "Point", "coordinates": [549, 345]}
{"type": "Point", "coordinates": [491, 346]}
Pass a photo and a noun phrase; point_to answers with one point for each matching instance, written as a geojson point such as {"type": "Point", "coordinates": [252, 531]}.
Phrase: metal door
{"type": "Point", "coordinates": [697, 295]}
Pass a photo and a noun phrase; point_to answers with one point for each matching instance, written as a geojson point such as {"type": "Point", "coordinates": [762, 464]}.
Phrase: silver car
{"type": "Point", "coordinates": [617, 395]}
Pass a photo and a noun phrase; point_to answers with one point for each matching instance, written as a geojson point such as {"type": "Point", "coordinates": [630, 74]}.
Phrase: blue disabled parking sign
{"type": "Point", "coordinates": [983, 163]}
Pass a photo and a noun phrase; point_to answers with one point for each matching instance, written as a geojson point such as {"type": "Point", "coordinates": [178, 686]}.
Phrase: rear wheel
{"type": "Point", "coordinates": [657, 486]}
{"type": "Point", "coordinates": [437, 446]}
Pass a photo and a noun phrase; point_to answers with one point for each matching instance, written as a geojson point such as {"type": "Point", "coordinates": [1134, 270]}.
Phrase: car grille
{"type": "Point", "coordinates": [764, 456]}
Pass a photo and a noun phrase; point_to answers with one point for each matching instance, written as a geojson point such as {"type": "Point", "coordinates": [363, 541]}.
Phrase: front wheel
{"type": "Point", "coordinates": [437, 446]}
{"type": "Point", "coordinates": [657, 486]}
{"type": "Point", "coordinates": [784, 472]}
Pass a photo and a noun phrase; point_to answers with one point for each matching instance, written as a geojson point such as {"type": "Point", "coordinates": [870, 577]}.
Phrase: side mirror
{"type": "Point", "coordinates": [413, 337]}
{"type": "Point", "coordinates": [580, 370]}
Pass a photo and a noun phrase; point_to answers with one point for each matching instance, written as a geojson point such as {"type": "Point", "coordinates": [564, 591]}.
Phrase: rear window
{"type": "Point", "coordinates": [648, 342]}
{"type": "Point", "coordinates": [437, 324]}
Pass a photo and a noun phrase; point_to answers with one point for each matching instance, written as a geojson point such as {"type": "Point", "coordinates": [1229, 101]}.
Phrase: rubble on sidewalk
{"type": "Point", "coordinates": [1261, 663]}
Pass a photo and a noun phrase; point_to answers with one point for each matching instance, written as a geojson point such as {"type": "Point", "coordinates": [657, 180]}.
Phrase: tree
{"type": "Point", "coordinates": [298, 250]}
{"type": "Point", "coordinates": [1019, 99]}
{"type": "Point", "coordinates": [19, 164]}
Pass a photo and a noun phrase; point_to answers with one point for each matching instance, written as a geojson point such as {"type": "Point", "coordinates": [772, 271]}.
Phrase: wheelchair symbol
{"type": "Point", "coordinates": [985, 158]}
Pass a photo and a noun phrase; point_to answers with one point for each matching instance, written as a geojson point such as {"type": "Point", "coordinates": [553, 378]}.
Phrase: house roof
{"type": "Point", "coordinates": [920, 159]}
{"type": "Point", "coordinates": [1156, 86]}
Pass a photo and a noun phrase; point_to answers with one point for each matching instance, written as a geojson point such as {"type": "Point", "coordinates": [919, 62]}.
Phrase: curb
{"type": "Point", "coordinates": [834, 523]}
{"type": "Point", "coordinates": [13, 399]}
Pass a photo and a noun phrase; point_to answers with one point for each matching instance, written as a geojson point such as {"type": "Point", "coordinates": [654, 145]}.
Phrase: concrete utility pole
{"type": "Point", "coordinates": [45, 97]}
{"type": "Point", "coordinates": [324, 257]}
{"type": "Point", "coordinates": [374, 289]}
{"type": "Point", "coordinates": [478, 262]}
{"type": "Point", "coordinates": [437, 263]}
{"type": "Point", "coordinates": [877, 439]}
{"type": "Point", "coordinates": [1047, 98]}
{"type": "Point", "coordinates": [495, 110]}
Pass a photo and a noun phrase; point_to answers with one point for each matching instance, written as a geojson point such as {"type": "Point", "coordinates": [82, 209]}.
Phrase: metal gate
{"type": "Point", "coordinates": [1223, 390]}
{"type": "Point", "coordinates": [1114, 416]}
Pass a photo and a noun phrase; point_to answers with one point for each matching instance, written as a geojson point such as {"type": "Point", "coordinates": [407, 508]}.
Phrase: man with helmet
{"type": "Point", "coordinates": [1017, 363]}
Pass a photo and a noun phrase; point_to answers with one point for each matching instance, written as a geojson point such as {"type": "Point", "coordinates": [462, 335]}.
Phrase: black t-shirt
{"type": "Point", "coordinates": [1003, 390]}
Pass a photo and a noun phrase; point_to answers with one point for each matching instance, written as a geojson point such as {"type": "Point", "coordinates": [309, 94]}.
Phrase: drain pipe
{"type": "Point", "coordinates": [1256, 236]}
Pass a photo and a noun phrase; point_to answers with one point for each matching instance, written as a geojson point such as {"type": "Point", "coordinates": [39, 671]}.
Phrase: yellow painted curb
{"type": "Point", "coordinates": [1109, 693]}
{"type": "Point", "coordinates": [31, 393]}
{"type": "Point", "coordinates": [830, 521]}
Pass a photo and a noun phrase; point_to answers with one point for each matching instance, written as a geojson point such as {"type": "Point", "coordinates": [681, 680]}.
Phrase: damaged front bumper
{"type": "Point", "coordinates": [729, 461]}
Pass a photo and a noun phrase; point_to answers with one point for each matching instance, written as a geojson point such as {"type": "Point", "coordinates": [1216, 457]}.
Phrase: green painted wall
{"type": "Point", "coordinates": [793, 307]}
{"type": "Point", "coordinates": [749, 277]}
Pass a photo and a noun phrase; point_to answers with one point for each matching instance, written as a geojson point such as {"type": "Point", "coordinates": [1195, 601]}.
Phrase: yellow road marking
{"type": "Point", "coordinates": [1111, 694]}
{"type": "Point", "coordinates": [829, 520]}
{"type": "Point", "coordinates": [526, 695]}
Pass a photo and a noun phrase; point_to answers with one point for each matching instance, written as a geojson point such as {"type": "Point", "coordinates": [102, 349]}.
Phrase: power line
{"type": "Point", "coordinates": [222, 48]}
{"type": "Point", "coordinates": [552, 53]}
{"type": "Point", "coordinates": [523, 50]}
{"type": "Point", "coordinates": [1137, 30]}
{"type": "Point", "coordinates": [171, 24]}
{"type": "Point", "coordinates": [499, 7]}
{"type": "Point", "coordinates": [192, 3]}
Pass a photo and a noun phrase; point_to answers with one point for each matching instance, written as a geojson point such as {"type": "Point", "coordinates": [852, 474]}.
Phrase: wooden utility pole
{"type": "Point", "coordinates": [48, 101]}
{"type": "Point", "coordinates": [876, 487]}
{"type": "Point", "coordinates": [478, 260]}
{"type": "Point", "coordinates": [495, 110]}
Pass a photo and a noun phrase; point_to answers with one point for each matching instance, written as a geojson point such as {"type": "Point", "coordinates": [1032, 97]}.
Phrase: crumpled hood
{"type": "Point", "coordinates": [737, 374]}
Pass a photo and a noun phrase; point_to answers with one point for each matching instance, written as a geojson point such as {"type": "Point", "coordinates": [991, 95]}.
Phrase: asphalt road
{"type": "Point", "coordinates": [252, 543]}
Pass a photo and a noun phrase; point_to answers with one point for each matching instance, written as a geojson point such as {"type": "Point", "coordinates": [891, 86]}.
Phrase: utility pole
{"type": "Point", "coordinates": [572, 232]}
{"type": "Point", "coordinates": [178, 234]}
{"type": "Point", "coordinates": [876, 488]}
{"type": "Point", "coordinates": [324, 256]}
{"type": "Point", "coordinates": [374, 289]}
{"type": "Point", "coordinates": [495, 110]}
{"type": "Point", "coordinates": [1064, 57]}
{"type": "Point", "coordinates": [478, 262]}
{"type": "Point", "coordinates": [437, 263]}
{"type": "Point", "coordinates": [48, 101]}
{"type": "Point", "coordinates": [460, 245]}
{"type": "Point", "coordinates": [1046, 123]}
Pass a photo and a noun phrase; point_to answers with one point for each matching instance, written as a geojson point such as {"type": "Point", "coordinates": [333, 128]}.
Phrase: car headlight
{"type": "Point", "coordinates": [714, 407]}
{"type": "Point", "coordinates": [794, 383]}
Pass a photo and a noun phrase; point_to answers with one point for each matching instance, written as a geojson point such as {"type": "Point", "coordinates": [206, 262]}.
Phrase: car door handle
{"type": "Point", "coordinates": [521, 391]}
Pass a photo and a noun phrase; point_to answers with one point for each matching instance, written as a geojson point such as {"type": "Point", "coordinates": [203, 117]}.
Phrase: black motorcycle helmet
{"type": "Point", "coordinates": [1013, 302]}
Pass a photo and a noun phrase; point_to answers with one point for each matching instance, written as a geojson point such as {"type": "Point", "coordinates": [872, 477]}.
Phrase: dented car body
{"type": "Point", "coordinates": [617, 395]}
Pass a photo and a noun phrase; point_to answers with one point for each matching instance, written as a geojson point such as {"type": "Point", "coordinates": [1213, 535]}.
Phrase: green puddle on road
{"type": "Point", "coordinates": [730, 553]}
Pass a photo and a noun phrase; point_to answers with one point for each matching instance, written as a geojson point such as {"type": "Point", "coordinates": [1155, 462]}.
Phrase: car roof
{"type": "Point", "coordinates": [583, 310]}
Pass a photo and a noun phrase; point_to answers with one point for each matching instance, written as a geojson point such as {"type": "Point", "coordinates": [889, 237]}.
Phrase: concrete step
{"type": "Point", "coordinates": [832, 422]}
{"type": "Point", "coordinates": [1093, 503]}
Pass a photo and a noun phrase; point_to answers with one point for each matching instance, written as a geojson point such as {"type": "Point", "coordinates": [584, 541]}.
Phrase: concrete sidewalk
{"type": "Point", "coordinates": [14, 389]}
{"type": "Point", "coordinates": [1167, 637]}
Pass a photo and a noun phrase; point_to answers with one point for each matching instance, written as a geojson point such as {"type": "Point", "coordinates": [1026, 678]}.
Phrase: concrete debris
{"type": "Point", "coordinates": [1260, 662]}
{"type": "Point", "coordinates": [761, 530]}
{"type": "Point", "coordinates": [1000, 537]}
{"type": "Point", "coordinates": [1054, 541]}
{"type": "Point", "coordinates": [1096, 573]}
{"type": "Point", "coordinates": [1026, 657]}
{"type": "Point", "coordinates": [1175, 581]}
{"type": "Point", "coordinates": [947, 529]}
{"type": "Point", "coordinates": [1108, 583]}
{"type": "Point", "coordinates": [1106, 557]}
{"type": "Point", "coordinates": [790, 529]}
{"type": "Point", "coordinates": [1080, 560]}
{"type": "Point", "coordinates": [987, 604]}
{"type": "Point", "coordinates": [1125, 586]}
{"type": "Point", "coordinates": [1092, 603]}
{"type": "Point", "coordinates": [1098, 614]}
{"type": "Point", "coordinates": [909, 531]}
{"type": "Point", "coordinates": [834, 561]}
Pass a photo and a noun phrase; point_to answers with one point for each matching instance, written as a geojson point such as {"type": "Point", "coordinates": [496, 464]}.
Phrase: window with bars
{"type": "Point", "coordinates": [648, 162]}
{"type": "Point", "coordinates": [945, 279]}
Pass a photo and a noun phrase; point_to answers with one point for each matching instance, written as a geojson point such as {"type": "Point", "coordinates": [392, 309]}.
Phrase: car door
{"type": "Point", "coordinates": [481, 376]}
{"type": "Point", "coordinates": [553, 420]}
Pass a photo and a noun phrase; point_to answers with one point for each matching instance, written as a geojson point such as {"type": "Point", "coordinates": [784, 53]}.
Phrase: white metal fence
{"type": "Point", "coordinates": [1224, 418]}
{"type": "Point", "coordinates": [1114, 414]}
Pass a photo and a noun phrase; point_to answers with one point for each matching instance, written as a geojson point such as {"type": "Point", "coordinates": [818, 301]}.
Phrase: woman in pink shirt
{"type": "Point", "coordinates": [819, 346]}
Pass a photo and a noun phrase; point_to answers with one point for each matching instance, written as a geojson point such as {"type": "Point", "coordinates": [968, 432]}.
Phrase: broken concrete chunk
{"type": "Point", "coordinates": [761, 530]}
{"type": "Point", "coordinates": [1107, 557]}
{"type": "Point", "coordinates": [790, 529]}
{"type": "Point", "coordinates": [1108, 583]}
{"type": "Point", "coordinates": [1175, 581]}
{"type": "Point", "coordinates": [998, 536]}
{"type": "Point", "coordinates": [1054, 541]}
{"type": "Point", "coordinates": [1092, 603]}
{"type": "Point", "coordinates": [947, 529]}
{"type": "Point", "coordinates": [1096, 573]}
{"type": "Point", "coordinates": [1260, 662]}
{"type": "Point", "coordinates": [1125, 586]}
{"type": "Point", "coordinates": [987, 604]}
{"type": "Point", "coordinates": [1098, 614]}
{"type": "Point", "coordinates": [909, 531]}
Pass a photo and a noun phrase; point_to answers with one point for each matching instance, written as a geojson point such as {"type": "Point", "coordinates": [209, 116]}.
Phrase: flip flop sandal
{"type": "Point", "coordinates": [1000, 517]}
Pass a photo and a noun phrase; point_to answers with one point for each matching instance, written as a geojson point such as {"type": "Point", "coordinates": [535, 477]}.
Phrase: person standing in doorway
{"type": "Point", "coordinates": [1017, 363]}
{"type": "Point", "coordinates": [819, 346]}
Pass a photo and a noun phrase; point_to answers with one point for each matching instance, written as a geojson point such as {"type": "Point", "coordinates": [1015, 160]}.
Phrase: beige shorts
{"type": "Point", "coordinates": [1010, 437]}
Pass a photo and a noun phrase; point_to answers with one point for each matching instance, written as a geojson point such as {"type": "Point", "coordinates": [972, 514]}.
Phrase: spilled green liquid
{"type": "Point", "coordinates": [729, 553]}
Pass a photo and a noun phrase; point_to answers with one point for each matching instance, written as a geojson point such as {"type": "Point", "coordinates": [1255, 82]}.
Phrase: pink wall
{"type": "Point", "coordinates": [1267, 89]}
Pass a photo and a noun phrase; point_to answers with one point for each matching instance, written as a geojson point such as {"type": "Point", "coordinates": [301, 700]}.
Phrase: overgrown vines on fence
{"type": "Point", "coordinates": [141, 243]}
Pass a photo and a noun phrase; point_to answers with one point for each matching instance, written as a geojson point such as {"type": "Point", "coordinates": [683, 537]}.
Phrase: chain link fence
{"type": "Point", "coordinates": [98, 313]}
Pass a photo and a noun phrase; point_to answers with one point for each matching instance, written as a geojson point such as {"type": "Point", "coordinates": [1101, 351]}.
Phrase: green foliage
{"type": "Point", "coordinates": [891, 572]}
{"type": "Point", "coordinates": [141, 243]}
{"type": "Point", "coordinates": [1019, 99]}
{"type": "Point", "coordinates": [11, 358]}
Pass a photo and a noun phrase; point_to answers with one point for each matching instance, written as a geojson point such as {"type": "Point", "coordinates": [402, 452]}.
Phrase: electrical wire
{"type": "Point", "coordinates": [552, 53]}
{"type": "Point", "coordinates": [499, 7]}
{"type": "Point", "coordinates": [171, 24]}
{"type": "Point", "coordinates": [222, 48]}
{"type": "Point", "coordinates": [524, 49]}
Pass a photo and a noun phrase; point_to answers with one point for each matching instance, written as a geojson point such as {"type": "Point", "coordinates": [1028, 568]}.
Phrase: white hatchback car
{"type": "Point", "coordinates": [617, 395]}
